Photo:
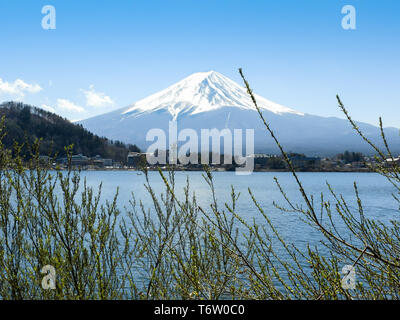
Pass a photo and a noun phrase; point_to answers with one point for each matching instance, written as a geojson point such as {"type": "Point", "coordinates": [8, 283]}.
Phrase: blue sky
{"type": "Point", "coordinates": [104, 55]}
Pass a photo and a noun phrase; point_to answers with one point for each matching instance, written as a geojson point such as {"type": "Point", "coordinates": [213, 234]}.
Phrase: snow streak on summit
{"type": "Point", "coordinates": [202, 92]}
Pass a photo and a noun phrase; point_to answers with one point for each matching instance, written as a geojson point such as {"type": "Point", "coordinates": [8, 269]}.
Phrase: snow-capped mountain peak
{"type": "Point", "coordinates": [209, 100]}
{"type": "Point", "coordinates": [202, 92]}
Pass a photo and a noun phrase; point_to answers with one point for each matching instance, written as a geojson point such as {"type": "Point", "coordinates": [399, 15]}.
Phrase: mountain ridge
{"type": "Point", "coordinates": [211, 100]}
{"type": "Point", "coordinates": [25, 123]}
{"type": "Point", "coordinates": [202, 92]}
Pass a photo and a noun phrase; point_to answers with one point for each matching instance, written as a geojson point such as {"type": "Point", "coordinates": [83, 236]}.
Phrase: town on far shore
{"type": "Point", "coordinates": [343, 162]}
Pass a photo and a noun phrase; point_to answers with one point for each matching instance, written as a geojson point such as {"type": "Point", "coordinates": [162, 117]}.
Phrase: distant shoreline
{"type": "Point", "coordinates": [344, 170]}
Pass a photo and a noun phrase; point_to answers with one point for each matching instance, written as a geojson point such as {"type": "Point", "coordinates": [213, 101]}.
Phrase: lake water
{"type": "Point", "coordinates": [374, 190]}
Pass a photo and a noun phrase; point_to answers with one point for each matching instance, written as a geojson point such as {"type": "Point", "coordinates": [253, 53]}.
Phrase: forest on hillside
{"type": "Point", "coordinates": [24, 124]}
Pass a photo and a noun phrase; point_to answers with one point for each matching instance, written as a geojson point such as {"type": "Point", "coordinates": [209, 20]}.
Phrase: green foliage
{"type": "Point", "coordinates": [271, 162]}
{"type": "Point", "coordinates": [177, 249]}
{"type": "Point", "coordinates": [24, 124]}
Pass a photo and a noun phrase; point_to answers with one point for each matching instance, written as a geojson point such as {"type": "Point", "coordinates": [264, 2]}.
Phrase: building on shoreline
{"type": "Point", "coordinates": [392, 162]}
{"type": "Point", "coordinates": [84, 162]}
{"type": "Point", "coordinates": [136, 159]}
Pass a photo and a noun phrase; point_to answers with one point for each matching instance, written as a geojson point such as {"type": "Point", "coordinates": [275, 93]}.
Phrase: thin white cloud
{"type": "Point", "coordinates": [96, 99]}
{"type": "Point", "coordinates": [69, 106]}
{"type": "Point", "coordinates": [48, 108]}
{"type": "Point", "coordinates": [18, 87]}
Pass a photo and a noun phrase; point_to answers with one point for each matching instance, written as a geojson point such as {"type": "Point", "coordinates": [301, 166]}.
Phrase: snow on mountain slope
{"type": "Point", "coordinates": [202, 92]}
{"type": "Point", "coordinates": [208, 100]}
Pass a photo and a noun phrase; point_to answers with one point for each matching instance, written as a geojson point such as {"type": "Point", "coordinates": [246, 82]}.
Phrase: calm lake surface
{"type": "Point", "coordinates": [374, 190]}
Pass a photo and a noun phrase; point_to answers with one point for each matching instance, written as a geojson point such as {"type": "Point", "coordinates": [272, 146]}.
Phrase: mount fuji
{"type": "Point", "coordinates": [208, 100]}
